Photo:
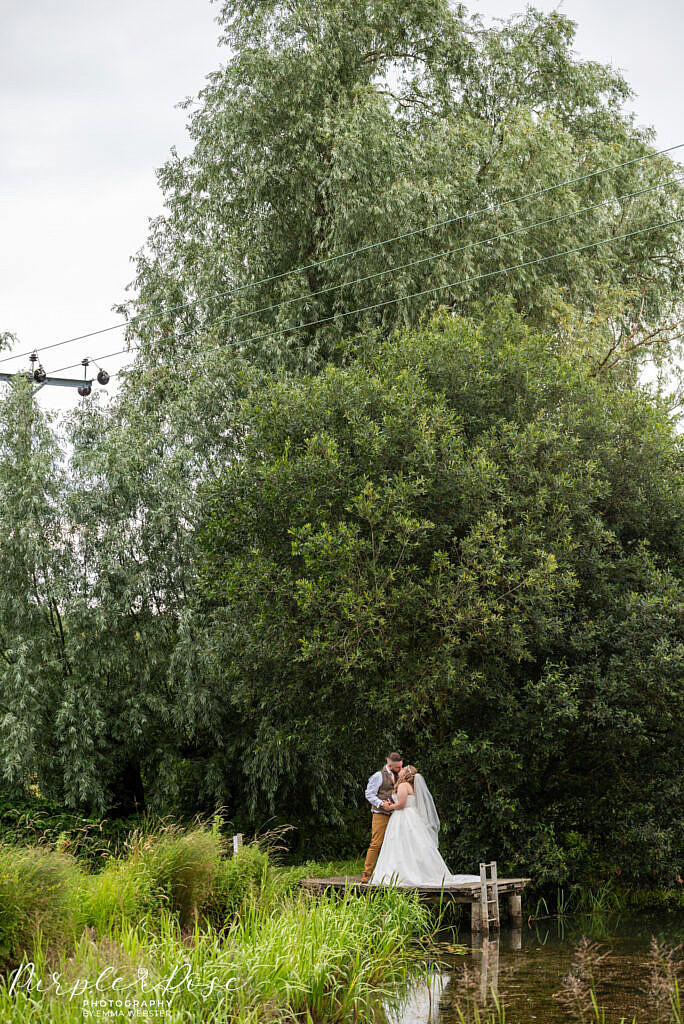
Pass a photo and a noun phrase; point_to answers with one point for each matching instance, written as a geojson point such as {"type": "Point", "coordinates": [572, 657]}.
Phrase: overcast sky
{"type": "Point", "coordinates": [87, 112]}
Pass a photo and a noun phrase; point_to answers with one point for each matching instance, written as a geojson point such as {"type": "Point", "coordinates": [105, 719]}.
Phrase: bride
{"type": "Point", "coordinates": [409, 855]}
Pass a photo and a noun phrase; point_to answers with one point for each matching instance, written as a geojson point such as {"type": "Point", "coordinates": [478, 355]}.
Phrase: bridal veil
{"type": "Point", "coordinates": [425, 806]}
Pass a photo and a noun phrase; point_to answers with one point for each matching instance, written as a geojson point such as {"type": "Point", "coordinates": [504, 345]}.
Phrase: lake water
{"type": "Point", "coordinates": [526, 968]}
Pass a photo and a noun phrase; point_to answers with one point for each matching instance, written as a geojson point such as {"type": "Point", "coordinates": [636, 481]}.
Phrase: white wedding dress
{"type": "Point", "coordinates": [409, 855]}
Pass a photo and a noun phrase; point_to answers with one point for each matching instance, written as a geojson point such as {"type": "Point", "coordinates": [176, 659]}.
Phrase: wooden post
{"type": "Point", "coordinates": [484, 908]}
{"type": "Point", "coordinates": [237, 842]}
{"type": "Point", "coordinates": [476, 925]}
{"type": "Point", "coordinates": [515, 910]}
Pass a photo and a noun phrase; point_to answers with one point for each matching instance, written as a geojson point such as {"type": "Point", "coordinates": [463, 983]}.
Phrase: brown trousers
{"type": "Point", "coordinates": [379, 823]}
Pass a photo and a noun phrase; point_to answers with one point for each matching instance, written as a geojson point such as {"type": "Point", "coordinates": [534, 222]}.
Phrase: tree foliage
{"type": "Point", "coordinates": [97, 570]}
{"type": "Point", "coordinates": [333, 127]}
{"type": "Point", "coordinates": [82, 675]}
{"type": "Point", "coordinates": [301, 531]}
{"type": "Point", "coordinates": [462, 544]}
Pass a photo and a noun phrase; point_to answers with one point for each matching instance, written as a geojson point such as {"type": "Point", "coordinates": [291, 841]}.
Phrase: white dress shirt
{"type": "Point", "coordinates": [372, 788]}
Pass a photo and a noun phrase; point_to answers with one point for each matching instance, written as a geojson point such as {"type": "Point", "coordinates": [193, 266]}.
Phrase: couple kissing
{"type": "Point", "coordinates": [404, 830]}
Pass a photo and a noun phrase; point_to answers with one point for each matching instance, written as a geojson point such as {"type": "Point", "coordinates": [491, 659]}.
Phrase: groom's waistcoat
{"type": "Point", "coordinates": [386, 787]}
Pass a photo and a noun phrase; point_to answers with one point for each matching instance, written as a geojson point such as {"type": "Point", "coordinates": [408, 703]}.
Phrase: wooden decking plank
{"type": "Point", "coordinates": [465, 893]}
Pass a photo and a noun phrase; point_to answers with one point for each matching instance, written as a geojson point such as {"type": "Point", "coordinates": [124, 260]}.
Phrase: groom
{"type": "Point", "coordinates": [378, 793]}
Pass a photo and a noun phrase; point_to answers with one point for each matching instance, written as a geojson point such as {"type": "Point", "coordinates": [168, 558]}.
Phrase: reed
{"type": "Point", "coordinates": [118, 894]}
{"type": "Point", "coordinates": [38, 889]}
{"type": "Point", "coordinates": [185, 872]}
{"type": "Point", "coordinates": [180, 866]}
{"type": "Point", "coordinates": [328, 958]}
{"type": "Point", "coordinates": [665, 974]}
{"type": "Point", "coordinates": [598, 900]}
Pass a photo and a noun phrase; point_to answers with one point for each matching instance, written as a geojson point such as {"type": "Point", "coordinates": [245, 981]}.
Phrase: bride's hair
{"type": "Point", "coordinates": [406, 774]}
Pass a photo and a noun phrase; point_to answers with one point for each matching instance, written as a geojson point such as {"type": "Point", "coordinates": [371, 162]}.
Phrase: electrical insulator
{"type": "Point", "coordinates": [103, 377]}
{"type": "Point", "coordinates": [86, 387]}
{"type": "Point", "coordinates": [37, 373]}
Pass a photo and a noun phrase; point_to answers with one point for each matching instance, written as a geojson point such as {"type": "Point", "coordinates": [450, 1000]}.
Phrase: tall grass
{"type": "Point", "coordinates": [120, 893]}
{"type": "Point", "coordinates": [184, 872]}
{"type": "Point", "coordinates": [178, 866]}
{"type": "Point", "coordinates": [224, 938]}
{"type": "Point", "coordinates": [37, 898]}
{"type": "Point", "coordinates": [327, 958]}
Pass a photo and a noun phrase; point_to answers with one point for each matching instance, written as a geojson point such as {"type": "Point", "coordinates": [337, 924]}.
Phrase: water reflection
{"type": "Point", "coordinates": [486, 950]}
{"type": "Point", "coordinates": [526, 969]}
{"type": "Point", "coordinates": [421, 1004]}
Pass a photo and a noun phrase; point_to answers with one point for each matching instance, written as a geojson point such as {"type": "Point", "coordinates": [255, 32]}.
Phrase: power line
{"type": "Point", "coordinates": [435, 256]}
{"type": "Point", "coordinates": [425, 259]}
{"type": "Point", "coordinates": [353, 252]}
{"type": "Point", "coordinates": [430, 291]}
{"type": "Point", "coordinates": [42, 379]}
{"type": "Point", "coordinates": [465, 280]}
{"type": "Point", "coordinates": [109, 355]}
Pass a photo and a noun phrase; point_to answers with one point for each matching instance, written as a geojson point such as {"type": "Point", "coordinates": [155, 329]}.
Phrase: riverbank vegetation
{"type": "Point", "coordinates": [176, 903]}
{"type": "Point", "coordinates": [206, 935]}
{"type": "Point", "coordinates": [175, 911]}
{"type": "Point", "coordinates": [460, 526]}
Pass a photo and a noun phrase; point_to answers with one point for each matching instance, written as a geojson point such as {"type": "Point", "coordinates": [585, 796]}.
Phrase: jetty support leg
{"type": "Point", "coordinates": [476, 923]}
{"type": "Point", "coordinates": [515, 910]}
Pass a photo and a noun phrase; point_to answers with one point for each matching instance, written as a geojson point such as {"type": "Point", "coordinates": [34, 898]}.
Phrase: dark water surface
{"type": "Point", "coordinates": [527, 967]}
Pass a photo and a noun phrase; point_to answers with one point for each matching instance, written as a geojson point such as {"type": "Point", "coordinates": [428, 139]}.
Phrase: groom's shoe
{"type": "Point", "coordinates": [365, 878]}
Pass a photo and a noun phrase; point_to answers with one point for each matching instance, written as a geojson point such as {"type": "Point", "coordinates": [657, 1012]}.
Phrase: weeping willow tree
{"type": "Point", "coordinates": [82, 665]}
{"type": "Point", "coordinates": [334, 127]}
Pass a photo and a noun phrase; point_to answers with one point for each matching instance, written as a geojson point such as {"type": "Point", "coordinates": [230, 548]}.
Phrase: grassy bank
{"type": "Point", "coordinates": [177, 929]}
{"type": "Point", "coordinates": [211, 936]}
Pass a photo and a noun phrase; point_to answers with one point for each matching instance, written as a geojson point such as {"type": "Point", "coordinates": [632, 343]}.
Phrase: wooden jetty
{"type": "Point", "coordinates": [484, 896]}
